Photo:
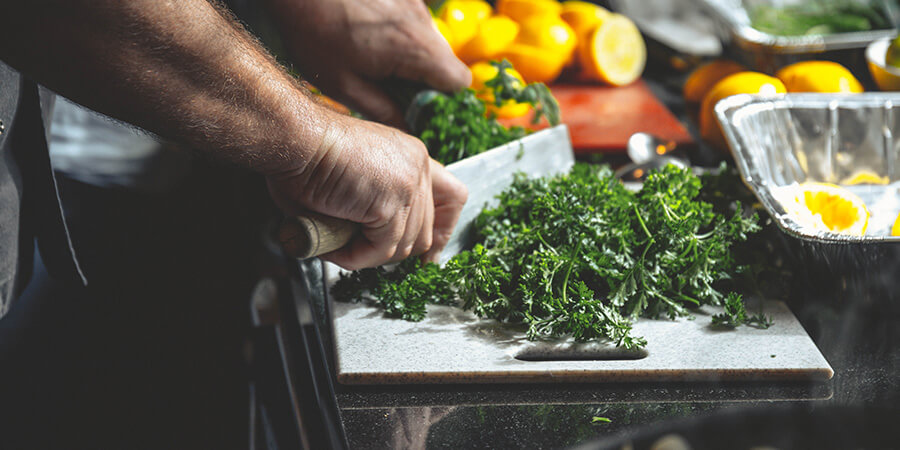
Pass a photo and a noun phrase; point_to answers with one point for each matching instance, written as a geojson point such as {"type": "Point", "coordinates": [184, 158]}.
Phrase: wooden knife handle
{"type": "Point", "coordinates": [313, 234]}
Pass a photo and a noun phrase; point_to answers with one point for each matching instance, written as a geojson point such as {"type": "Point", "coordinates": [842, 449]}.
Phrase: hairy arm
{"type": "Point", "coordinates": [181, 69]}
{"type": "Point", "coordinates": [186, 71]}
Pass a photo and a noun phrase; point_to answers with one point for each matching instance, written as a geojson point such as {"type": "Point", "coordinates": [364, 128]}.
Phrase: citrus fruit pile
{"type": "Point", "coordinates": [542, 37]}
{"type": "Point", "coordinates": [716, 80]}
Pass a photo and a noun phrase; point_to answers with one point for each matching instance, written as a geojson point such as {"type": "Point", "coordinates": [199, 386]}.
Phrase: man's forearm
{"type": "Point", "coordinates": [182, 69]}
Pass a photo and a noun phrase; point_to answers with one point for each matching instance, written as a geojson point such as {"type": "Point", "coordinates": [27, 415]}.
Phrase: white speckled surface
{"type": "Point", "coordinates": [453, 346]}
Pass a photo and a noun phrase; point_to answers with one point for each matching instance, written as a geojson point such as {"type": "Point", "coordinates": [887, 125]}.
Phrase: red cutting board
{"type": "Point", "coordinates": [602, 118]}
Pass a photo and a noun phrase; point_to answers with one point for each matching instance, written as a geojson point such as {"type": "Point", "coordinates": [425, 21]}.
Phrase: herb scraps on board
{"type": "Point", "coordinates": [579, 255]}
{"type": "Point", "coordinates": [458, 126]}
{"type": "Point", "coordinates": [819, 17]}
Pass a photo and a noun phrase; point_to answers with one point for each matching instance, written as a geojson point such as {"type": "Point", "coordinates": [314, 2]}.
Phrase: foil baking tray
{"type": "Point", "coordinates": [768, 52]}
{"type": "Point", "coordinates": [796, 138]}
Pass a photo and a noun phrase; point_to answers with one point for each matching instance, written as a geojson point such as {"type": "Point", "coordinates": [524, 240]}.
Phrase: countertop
{"type": "Point", "coordinates": [852, 317]}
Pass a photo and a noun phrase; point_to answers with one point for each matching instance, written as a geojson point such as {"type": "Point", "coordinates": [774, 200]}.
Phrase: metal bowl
{"type": "Point", "coordinates": [768, 52]}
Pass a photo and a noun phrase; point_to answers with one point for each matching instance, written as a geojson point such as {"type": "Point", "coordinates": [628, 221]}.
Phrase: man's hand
{"type": "Point", "coordinates": [381, 178]}
{"type": "Point", "coordinates": [183, 70]}
{"type": "Point", "coordinates": [346, 47]}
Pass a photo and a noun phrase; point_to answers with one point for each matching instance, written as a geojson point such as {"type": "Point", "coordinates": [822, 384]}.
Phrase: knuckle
{"type": "Point", "coordinates": [382, 214]}
{"type": "Point", "coordinates": [460, 192]}
{"type": "Point", "coordinates": [404, 252]}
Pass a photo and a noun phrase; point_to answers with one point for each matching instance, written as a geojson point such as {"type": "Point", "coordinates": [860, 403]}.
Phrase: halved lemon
{"type": "Point", "coordinates": [825, 207]}
{"type": "Point", "coordinates": [614, 52]}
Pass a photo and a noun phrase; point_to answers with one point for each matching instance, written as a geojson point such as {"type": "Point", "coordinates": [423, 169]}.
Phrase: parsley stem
{"type": "Point", "coordinates": [641, 221]}
{"type": "Point", "coordinates": [565, 286]}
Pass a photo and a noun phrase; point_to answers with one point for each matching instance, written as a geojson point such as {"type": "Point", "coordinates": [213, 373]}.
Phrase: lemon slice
{"type": "Point", "coordinates": [825, 207]}
{"type": "Point", "coordinates": [614, 52]}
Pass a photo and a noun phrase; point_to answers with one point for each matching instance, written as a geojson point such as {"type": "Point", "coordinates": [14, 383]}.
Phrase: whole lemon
{"type": "Point", "coordinates": [549, 32]}
{"type": "Point", "coordinates": [583, 17]}
{"type": "Point", "coordinates": [739, 83]}
{"type": "Point", "coordinates": [818, 76]}
{"type": "Point", "coordinates": [462, 18]}
{"type": "Point", "coordinates": [493, 36]}
{"type": "Point", "coordinates": [702, 79]}
{"type": "Point", "coordinates": [519, 10]}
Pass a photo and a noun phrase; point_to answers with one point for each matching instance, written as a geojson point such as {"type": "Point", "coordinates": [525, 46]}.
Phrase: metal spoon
{"type": "Point", "coordinates": [637, 172]}
{"type": "Point", "coordinates": [643, 147]}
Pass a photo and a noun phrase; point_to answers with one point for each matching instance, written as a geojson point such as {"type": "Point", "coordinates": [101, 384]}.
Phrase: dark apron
{"type": "Point", "coordinates": [29, 202]}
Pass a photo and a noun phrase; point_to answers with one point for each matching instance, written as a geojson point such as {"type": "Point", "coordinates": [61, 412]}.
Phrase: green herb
{"type": "Point", "coordinates": [819, 17]}
{"type": "Point", "coordinates": [598, 419]}
{"type": "Point", "coordinates": [507, 87]}
{"type": "Point", "coordinates": [458, 127]}
{"type": "Point", "coordinates": [736, 314]}
{"type": "Point", "coordinates": [579, 255]}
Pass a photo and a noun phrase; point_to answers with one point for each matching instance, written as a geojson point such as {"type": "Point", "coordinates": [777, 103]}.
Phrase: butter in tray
{"type": "Point", "coordinates": [798, 152]}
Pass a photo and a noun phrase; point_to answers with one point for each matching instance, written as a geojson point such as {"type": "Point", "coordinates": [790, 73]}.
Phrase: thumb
{"type": "Point", "coordinates": [436, 65]}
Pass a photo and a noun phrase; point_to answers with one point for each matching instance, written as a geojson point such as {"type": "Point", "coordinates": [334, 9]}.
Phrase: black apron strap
{"type": "Point", "coordinates": [42, 210]}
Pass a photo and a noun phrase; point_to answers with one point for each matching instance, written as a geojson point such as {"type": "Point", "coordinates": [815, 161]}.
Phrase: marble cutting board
{"type": "Point", "coordinates": [454, 346]}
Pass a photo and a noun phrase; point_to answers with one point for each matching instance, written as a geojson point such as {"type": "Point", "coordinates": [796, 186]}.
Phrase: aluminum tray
{"type": "Point", "coordinates": [795, 138]}
{"type": "Point", "coordinates": [768, 52]}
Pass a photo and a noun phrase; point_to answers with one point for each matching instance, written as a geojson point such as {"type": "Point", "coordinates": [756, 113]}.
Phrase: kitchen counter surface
{"type": "Point", "coordinates": [853, 322]}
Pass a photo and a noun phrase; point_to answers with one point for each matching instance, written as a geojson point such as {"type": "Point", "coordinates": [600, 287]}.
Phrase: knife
{"type": "Point", "coordinates": [542, 153]}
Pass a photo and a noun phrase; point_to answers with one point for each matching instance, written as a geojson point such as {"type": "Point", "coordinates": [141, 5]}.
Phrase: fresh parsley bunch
{"type": "Point", "coordinates": [457, 126]}
{"type": "Point", "coordinates": [579, 255]}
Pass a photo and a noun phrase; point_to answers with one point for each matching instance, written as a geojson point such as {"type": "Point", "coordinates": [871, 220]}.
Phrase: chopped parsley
{"type": "Point", "coordinates": [579, 255]}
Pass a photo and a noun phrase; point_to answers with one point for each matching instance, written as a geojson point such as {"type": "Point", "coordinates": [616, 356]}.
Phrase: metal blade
{"type": "Point", "coordinates": [542, 153]}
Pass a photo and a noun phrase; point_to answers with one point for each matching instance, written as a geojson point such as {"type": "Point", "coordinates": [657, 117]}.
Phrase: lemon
{"type": "Point", "coordinates": [583, 17]}
{"type": "Point", "coordinates": [825, 207]}
{"type": "Point", "coordinates": [462, 18]}
{"type": "Point", "coordinates": [519, 10]}
{"type": "Point", "coordinates": [895, 230]}
{"type": "Point", "coordinates": [534, 63]}
{"type": "Point", "coordinates": [494, 34]}
{"type": "Point", "coordinates": [614, 52]}
{"type": "Point", "coordinates": [702, 79]}
{"type": "Point", "coordinates": [549, 32]}
{"type": "Point", "coordinates": [818, 76]}
{"type": "Point", "coordinates": [484, 71]}
{"type": "Point", "coordinates": [864, 177]}
{"type": "Point", "coordinates": [738, 83]}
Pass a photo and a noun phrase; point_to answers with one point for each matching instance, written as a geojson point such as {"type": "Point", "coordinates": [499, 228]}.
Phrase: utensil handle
{"type": "Point", "coordinates": [312, 234]}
